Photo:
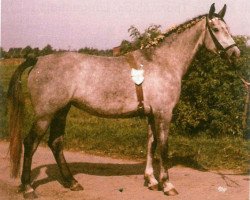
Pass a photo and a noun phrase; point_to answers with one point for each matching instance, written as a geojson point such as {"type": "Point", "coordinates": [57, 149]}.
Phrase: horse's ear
{"type": "Point", "coordinates": [211, 11]}
{"type": "Point", "coordinates": [223, 11]}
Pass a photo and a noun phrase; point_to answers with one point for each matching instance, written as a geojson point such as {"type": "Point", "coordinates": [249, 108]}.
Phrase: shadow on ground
{"type": "Point", "coordinates": [107, 169]}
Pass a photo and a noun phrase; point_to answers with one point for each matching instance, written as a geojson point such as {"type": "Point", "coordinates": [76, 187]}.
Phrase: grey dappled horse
{"type": "Point", "coordinates": [102, 86]}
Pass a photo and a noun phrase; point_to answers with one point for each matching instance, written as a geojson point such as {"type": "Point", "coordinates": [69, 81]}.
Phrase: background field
{"type": "Point", "coordinates": [127, 137]}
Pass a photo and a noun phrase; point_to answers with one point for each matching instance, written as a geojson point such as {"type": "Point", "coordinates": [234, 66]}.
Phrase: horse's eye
{"type": "Point", "coordinates": [215, 29]}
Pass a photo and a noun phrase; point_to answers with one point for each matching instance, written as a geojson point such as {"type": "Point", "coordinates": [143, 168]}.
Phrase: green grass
{"type": "Point", "coordinates": [126, 138]}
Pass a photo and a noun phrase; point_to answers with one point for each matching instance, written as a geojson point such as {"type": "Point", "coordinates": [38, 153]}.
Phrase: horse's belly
{"type": "Point", "coordinates": [107, 100]}
{"type": "Point", "coordinates": [107, 108]}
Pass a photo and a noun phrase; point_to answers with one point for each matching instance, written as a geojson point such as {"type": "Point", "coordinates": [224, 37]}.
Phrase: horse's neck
{"type": "Point", "coordinates": [178, 50]}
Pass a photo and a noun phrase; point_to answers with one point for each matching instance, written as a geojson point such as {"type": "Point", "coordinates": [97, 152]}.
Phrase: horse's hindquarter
{"type": "Point", "coordinates": [50, 83]}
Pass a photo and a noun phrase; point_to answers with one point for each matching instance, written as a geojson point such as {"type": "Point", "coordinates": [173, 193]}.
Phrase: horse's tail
{"type": "Point", "coordinates": [16, 114]}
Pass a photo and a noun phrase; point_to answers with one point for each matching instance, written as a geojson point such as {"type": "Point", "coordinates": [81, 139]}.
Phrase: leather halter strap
{"type": "Point", "coordinates": [139, 91]}
{"type": "Point", "coordinates": [222, 50]}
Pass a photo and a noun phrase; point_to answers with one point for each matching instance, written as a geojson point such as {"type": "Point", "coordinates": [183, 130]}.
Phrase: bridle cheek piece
{"type": "Point", "coordinates": [221, 50]}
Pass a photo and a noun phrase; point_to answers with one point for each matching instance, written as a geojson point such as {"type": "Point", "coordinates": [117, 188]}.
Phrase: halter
{"type": "Point", "coordinates": [221, 50]}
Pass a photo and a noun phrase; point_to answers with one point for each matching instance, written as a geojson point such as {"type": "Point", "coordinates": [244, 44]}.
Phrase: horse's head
{"type": "Point", "coordinates": [217, 38]}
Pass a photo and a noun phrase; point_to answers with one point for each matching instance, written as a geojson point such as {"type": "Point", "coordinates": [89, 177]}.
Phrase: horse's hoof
{"type": "Point", "coordinates": [30, 195]}
{"type": "Point", "coordinates": [171, 192]}
{"type": "Point", "coordinates": [153, 187]}
{"type": "Point", "coordinates": [76, 187]}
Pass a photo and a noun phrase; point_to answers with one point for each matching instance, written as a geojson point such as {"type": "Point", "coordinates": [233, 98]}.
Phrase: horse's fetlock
{"type": "Point", "coordinates": [150, 181]}
{"type": "Point", "coordinates": [164, 178]}
{"type": "Point", "coordinates": [148, 173]}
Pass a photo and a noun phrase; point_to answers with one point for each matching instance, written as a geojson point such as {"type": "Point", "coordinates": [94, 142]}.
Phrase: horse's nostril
{"type": "Point", "coordinates": [235, 52]}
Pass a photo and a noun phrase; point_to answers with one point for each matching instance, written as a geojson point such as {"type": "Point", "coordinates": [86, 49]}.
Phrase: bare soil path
{"type": "Point", "coordinates": [115, 179]}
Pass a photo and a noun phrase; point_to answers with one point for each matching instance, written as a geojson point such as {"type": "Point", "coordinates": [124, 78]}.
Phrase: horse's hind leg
{"type": "Point", "coordinates": [150, 180]}
{"type": "Point", "coordinates": [31, 142]}
{"type": "Point", "coordinates": [57, 129]}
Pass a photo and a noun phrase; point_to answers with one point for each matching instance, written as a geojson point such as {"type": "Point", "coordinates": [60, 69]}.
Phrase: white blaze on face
{"type": "Point", "coordinates": [221, 32]}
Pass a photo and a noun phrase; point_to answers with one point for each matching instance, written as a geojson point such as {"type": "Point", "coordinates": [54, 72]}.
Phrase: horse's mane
{"type": "Point", "coordinates": [147, 51]}
{"type": "Point", "coordinates": [182, 27]}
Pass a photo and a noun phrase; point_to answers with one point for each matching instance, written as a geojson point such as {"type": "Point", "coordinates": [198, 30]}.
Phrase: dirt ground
{"type": "Point", "coordinates": [105, 178]}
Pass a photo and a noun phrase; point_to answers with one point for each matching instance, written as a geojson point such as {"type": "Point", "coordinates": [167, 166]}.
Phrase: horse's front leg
{"type": "Point", "coordinates": [150, 180]}
{"type": "Point", "coordinates": [163, 122]}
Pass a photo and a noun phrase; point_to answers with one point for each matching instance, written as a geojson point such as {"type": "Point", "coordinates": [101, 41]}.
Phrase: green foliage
{"type": "Point", "coordinates": [126, 47]}
{"type": "Point", "coordinates": [12, 53]}
{"type": "Point", "coordinates": [243, 63]}
{"type": "Point", "coordinates": [26, 51]}
{"type": "Point", "coordinates": [48, 49]}
{"type": "Point", "coordinates": [93, 51]}
{"type": "Point", "coordinates": [151, 37]}
{"type": "Point", "coordinates": [213, 95]}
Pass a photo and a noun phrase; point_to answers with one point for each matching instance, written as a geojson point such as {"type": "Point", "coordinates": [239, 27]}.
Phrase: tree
{"type": "Point", "coordinates": [36, 52]}
{"type": "Point", "coordinates": [2, 53]}
{"type": "Point", "coordinates": [13, 53]}
{"type": "Point", "coordinates": [93, 51]}
{"type": "Point", "coordinates": [47, 50]}
{"type": "Point", "coordinates": [26, 51]}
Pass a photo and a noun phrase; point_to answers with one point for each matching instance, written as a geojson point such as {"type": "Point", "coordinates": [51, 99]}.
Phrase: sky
{"type": "Point", "coordinates": [103, 24]}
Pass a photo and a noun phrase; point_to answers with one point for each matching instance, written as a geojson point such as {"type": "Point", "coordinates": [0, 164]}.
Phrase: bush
{"type": "Point", "coordinates": [212, 98]}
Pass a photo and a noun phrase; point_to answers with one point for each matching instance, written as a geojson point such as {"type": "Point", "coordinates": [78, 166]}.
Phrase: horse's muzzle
{"type": "Point", "coordinates": [230, 54]}
{"type": "Point", "coordinates": [233, 52]}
